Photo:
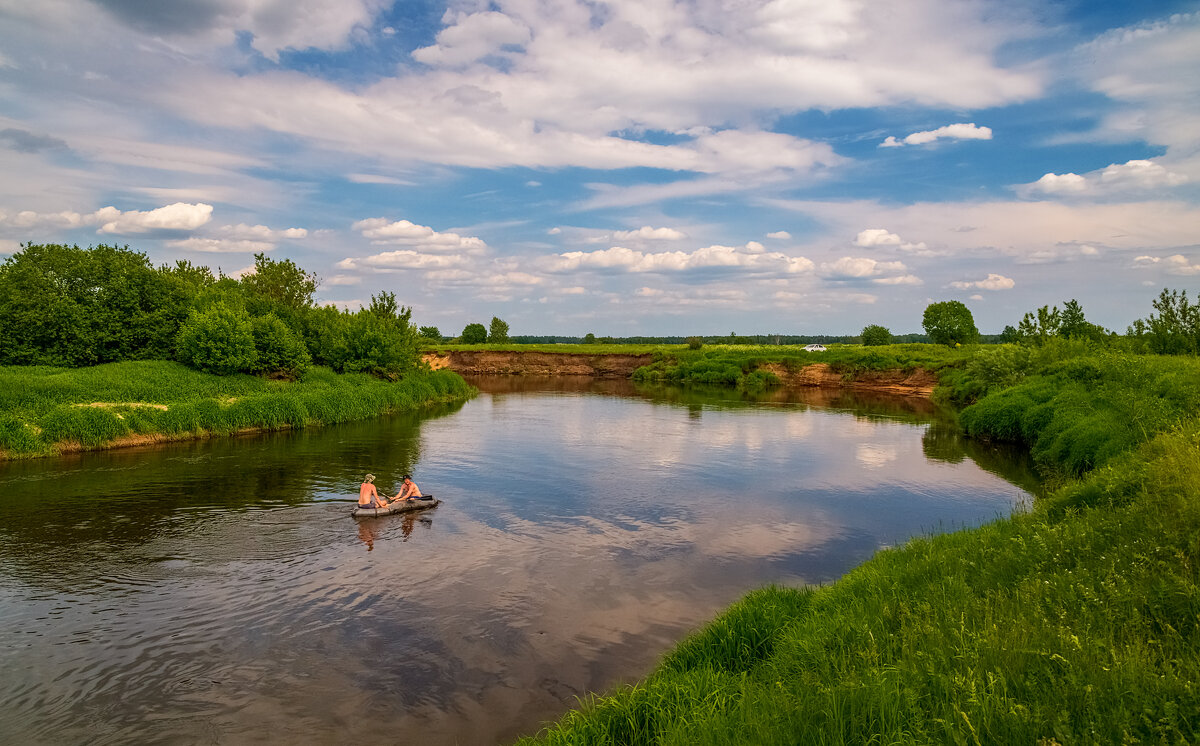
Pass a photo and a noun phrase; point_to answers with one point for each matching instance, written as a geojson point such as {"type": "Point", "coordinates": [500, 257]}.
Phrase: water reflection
{"type": "Point", "coordinates": [219, 590]}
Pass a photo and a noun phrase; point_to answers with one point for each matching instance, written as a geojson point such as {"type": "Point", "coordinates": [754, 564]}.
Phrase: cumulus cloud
{"type": "Point", "coordinates": [648, 233]}
{"type": "Point", "coordinates": [402, 259]}
{"type": "Point", "coordinates": [749, 260]}
{"type": "Point", "coordinates": [991, 282]}
{"type": "Point", "coordinates": [222, 245]}
{"type": "Point", "coordinates": [1176, 264]}
{"type": "Point", "coordinates": [857, 268]}
{"type": "Point", "coordinates": [1116, 178]}
{"type": "Point", "coordinates": [260, 232]}
{"type": "Point", "coordinates": [471, 37]}
{"type": "Point", "coordinates": [780, 235]}
{"type": "Point", "coordinates": [382, 232]}
{"type": "Point", "coordinates": [175, 217]}
{"type": "Point", "coordinates": [872, 237]}
{"type": "Point", "coordinates": [960, 131]}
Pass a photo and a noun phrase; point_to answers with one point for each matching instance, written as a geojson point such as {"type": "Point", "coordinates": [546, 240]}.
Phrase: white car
{"type": "Point", "coordinates": [814, 348]}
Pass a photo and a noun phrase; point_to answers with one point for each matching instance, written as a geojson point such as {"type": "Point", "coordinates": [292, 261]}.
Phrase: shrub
{"type": "Point", "coordinates": [875, 335]}
{"type": "Point", "coordinates": [474, 334]}
{"type": "Point", "coordinates": [279, 349]}
{"type": "Point", "coordinates": [694, 343]}
{"type": "Point", "coordinates": [219, 340]}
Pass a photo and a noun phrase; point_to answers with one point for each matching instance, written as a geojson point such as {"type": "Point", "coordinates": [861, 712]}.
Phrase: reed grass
{"type": "Point", "coordinates": [1077, 621]}
{"type": "Point", "coordinates": [45, 410]}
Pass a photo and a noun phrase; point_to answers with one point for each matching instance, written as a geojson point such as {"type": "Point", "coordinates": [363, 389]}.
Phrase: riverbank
{"type": "Point", "coordinates": [47, 411]}
{"type": "Point", "coordinates": [1076, 622]}
{"type": "Point", "coordinates": [904, 370]}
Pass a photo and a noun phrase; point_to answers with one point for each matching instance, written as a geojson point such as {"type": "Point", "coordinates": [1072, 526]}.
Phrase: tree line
{"type": "Point", "coordinates": [66, 306]}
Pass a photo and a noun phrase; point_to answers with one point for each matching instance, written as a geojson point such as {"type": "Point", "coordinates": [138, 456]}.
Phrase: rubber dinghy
{"type": "Point", "coordinates": [400, 506]}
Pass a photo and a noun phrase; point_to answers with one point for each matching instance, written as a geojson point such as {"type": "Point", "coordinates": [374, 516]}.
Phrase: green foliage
{"type": "Point", "coordinates": [44, 409]}
{"type": "Point", "coordinates": [219, 340]}
{"type": "Point", "coordinates": [381, 339]}
{"type": "Point", "coordinates": [473, 334]}
{"type": "Point", "coordinates": [949, 323]}
{"type": "Point", "coordinates": [589, 339]}
{"type": "Point", "coordinates": [1000, 366]}
{"type": "Point", "coordinates": [63, 305]}
{"type": "Point", "coordinates": [280, 282]}
{"type": "Point", "coordinates": [1174, 330]}
{"type": "Point", "coordinates": [695, 343]}
{"type": "Point", "coordinates": [430, 332]}
{"type": "Point", "coordinates": [279, 349]}
{"type": "Point", "coordinates": [497, 332]}
{"type": "Point", "coordinates": [874, 335]}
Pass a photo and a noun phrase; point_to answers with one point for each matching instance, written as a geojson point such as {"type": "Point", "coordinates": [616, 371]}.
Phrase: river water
{"type": "Point", "coordinates": [219, 591]}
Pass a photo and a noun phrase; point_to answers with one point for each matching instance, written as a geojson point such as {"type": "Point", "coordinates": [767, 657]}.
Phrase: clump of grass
{"type": "Point", "coordinates": [1077, 622]}
{"type": "Point", "coordinates": [43, 408]}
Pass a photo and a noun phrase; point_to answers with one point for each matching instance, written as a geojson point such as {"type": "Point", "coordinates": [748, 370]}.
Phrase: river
{"type": "Point", "coordinates": [219, 592]}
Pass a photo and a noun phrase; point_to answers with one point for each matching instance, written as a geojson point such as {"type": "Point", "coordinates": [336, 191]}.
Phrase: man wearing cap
{"type": "Point", "coordinates": [410, 491]}
{"type": "Point", "coordinates": [368, 496]}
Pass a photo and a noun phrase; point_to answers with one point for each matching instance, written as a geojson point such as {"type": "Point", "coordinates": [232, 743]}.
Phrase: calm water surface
{"type": "Point", "coordinates": [219, 592]}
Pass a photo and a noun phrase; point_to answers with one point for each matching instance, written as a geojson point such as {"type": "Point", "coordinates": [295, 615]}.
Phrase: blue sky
{"type": "Point", "coordinates": [627, 167]}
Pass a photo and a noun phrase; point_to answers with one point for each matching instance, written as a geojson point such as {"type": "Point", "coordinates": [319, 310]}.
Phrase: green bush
{"type": "Point", "coordinates": [218, 340]}
{"type": "Point", "coordinates": [474, 334]}
{"type": "Point", "coordinates": [279, 349]}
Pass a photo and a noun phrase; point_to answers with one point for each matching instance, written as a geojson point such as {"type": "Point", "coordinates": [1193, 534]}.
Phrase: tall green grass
{"type": "Point", "coordinates": [1075, 622]}
{"type": "Point", "coordinates": [44, 410]}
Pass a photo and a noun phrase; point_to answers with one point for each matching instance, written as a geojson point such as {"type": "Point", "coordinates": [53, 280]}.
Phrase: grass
{"type": "Point", "coordinates": [1075, 622]}
{"type": "Point", "coordinates": [46, 410]}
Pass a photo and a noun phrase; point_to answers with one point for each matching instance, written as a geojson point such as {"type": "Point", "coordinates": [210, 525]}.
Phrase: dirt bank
{"type": "Point", "coordinates": [918, 382]}
{"type": "Point", "coordinates": [491, 363]}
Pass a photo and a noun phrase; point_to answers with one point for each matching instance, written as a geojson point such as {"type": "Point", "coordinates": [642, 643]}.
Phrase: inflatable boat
{"type": "Point", "coordinates": [399, 506]}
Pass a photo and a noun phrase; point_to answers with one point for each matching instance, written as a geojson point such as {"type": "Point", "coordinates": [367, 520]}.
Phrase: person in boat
{"type": "Point", "coordinates": [410, 490]}
{"type": "Point", "coordinates": [368, 496]}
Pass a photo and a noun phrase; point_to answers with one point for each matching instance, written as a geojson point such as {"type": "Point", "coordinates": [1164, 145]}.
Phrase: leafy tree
{"type": "Point", "coordinates": [875, 335]}
{"type": "Point", "coordinates": [382, 340]}
{"type": "Point", "coordinates": [949, 323]}
{"type": "Point", "coordinates": [589, 339]}
{"type": "Point", "coordinates": [1009, 335]}
{"type": "Point", "coordinates": [325, 330]}
{"type": "Point", "coordinates": [1037, 329]}
{"type": "Point", "coordinates": [279, 349]}
{"type": "Point", "coordinates": [695, 343]}
{"type": "Point", "coordinates": [63, 305]}
{"type": "Point", "coordinates": [430, 332]}
{"type": "Point", "coordinates": [498, 331]}
{"type": "Point", "coordinates": [474, 334]}
{"type": "Point", "coordinates": [1175, 329]}
{"type": "Point", "coordinates": [218, 340]}
{"type": "Point", "coordinates": [282, 282]}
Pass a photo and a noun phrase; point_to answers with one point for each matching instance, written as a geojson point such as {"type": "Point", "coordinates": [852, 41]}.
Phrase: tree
{"type": "Point", "coordinates": [875, 335]}
{"type": "Point", "coordinates": [282, 282]}
{"type": "Point", "coordinates": [1037, 329]}
{"type": "Point", "coordinates": [1009, 335]}
{"type": "Point", "coordinates": [218, 340]}
{"type": "Point", "coordinates": [279, 349]}
{"type": "Point", "coordinates": [498, 331]}
{"type": "Point", "coordinates": [1175, 329]}
{"type": "Point", "coordinates": [949, 323]}
{"type": "Point", "coordinates": [474, 334]}
{"type": "Point", "coordinates": [589, 339]}
{"type": "Point", "coordinates": [430, 332]}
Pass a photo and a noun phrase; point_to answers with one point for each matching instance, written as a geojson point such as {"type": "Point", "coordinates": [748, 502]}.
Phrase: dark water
{"type": "Point", "coordinates": [217, 592]}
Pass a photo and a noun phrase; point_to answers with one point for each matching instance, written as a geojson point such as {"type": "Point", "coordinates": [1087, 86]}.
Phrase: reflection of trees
{"type": "Point", "coordinates": [943, 441]}
{"type": "Point", "coordinates": [82, 514]}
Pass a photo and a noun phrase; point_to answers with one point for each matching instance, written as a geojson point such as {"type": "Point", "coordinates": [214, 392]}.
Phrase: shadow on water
{"type": "Point", "coordinates": [218, 591]}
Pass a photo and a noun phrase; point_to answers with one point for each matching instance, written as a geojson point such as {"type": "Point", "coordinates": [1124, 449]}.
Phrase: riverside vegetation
{"type": "Point", "coordinates": [1075, 621]}
{"type": "Point", "coordinates": [99, 348]}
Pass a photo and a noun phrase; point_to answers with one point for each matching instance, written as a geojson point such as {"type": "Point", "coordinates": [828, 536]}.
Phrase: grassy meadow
{"type": "Point", "coordinates": [46, 410]}
{"type": "Point", "coordinates": [1077, 621]}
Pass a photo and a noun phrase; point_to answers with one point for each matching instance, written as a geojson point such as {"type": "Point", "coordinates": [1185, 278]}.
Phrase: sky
{"type": "Point", "coordinates": [623, 167]}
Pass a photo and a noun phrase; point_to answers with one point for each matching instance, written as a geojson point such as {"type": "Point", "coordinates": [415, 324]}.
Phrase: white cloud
{"type": "Point", "coordinates": [780, 235]}
{"type": "Point", "coordinates": [260, 232]}
{"type": "Point", "coordinates": [649, 234]}
{"type": "Point", "coordinates": [377, 179]}
{"type": "Point", "coordinates": [471, 37]}
{"type": "Point", "coordinates": [991, 282]}
{"type": "Point", "coordinates": [402, 259]}
{"type": "Point", "coordinates": [872, 237]}
{"type": "Point", "coordinates": [1176, 264]}
{"type": "Point", "coordinates": [959, 131]}
{"type": "Point", "coordinates": [404, 232]}
{"type": "Point", "coordinates": [177, 217]}
{"type": "Point", "coordinates": [621, 259]}
{"type": "Point", "coordinates": [850, 268]}
{"type": "Point", "coordinates": [1117, 178]}
{"type": "Point", "coordinates": [222, 245]}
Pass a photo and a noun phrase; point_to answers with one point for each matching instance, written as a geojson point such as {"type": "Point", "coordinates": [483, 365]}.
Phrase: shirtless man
{"type": "Point", "coordinates": [410, 490]}
{"type": "Point", "coordinates": [368, 496]}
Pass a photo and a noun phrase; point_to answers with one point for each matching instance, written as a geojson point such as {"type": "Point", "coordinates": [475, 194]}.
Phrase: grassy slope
{"type": "Point", "coordinates": [1078, 622]}
{"type": "Point", "coordinates": [43, 409]}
